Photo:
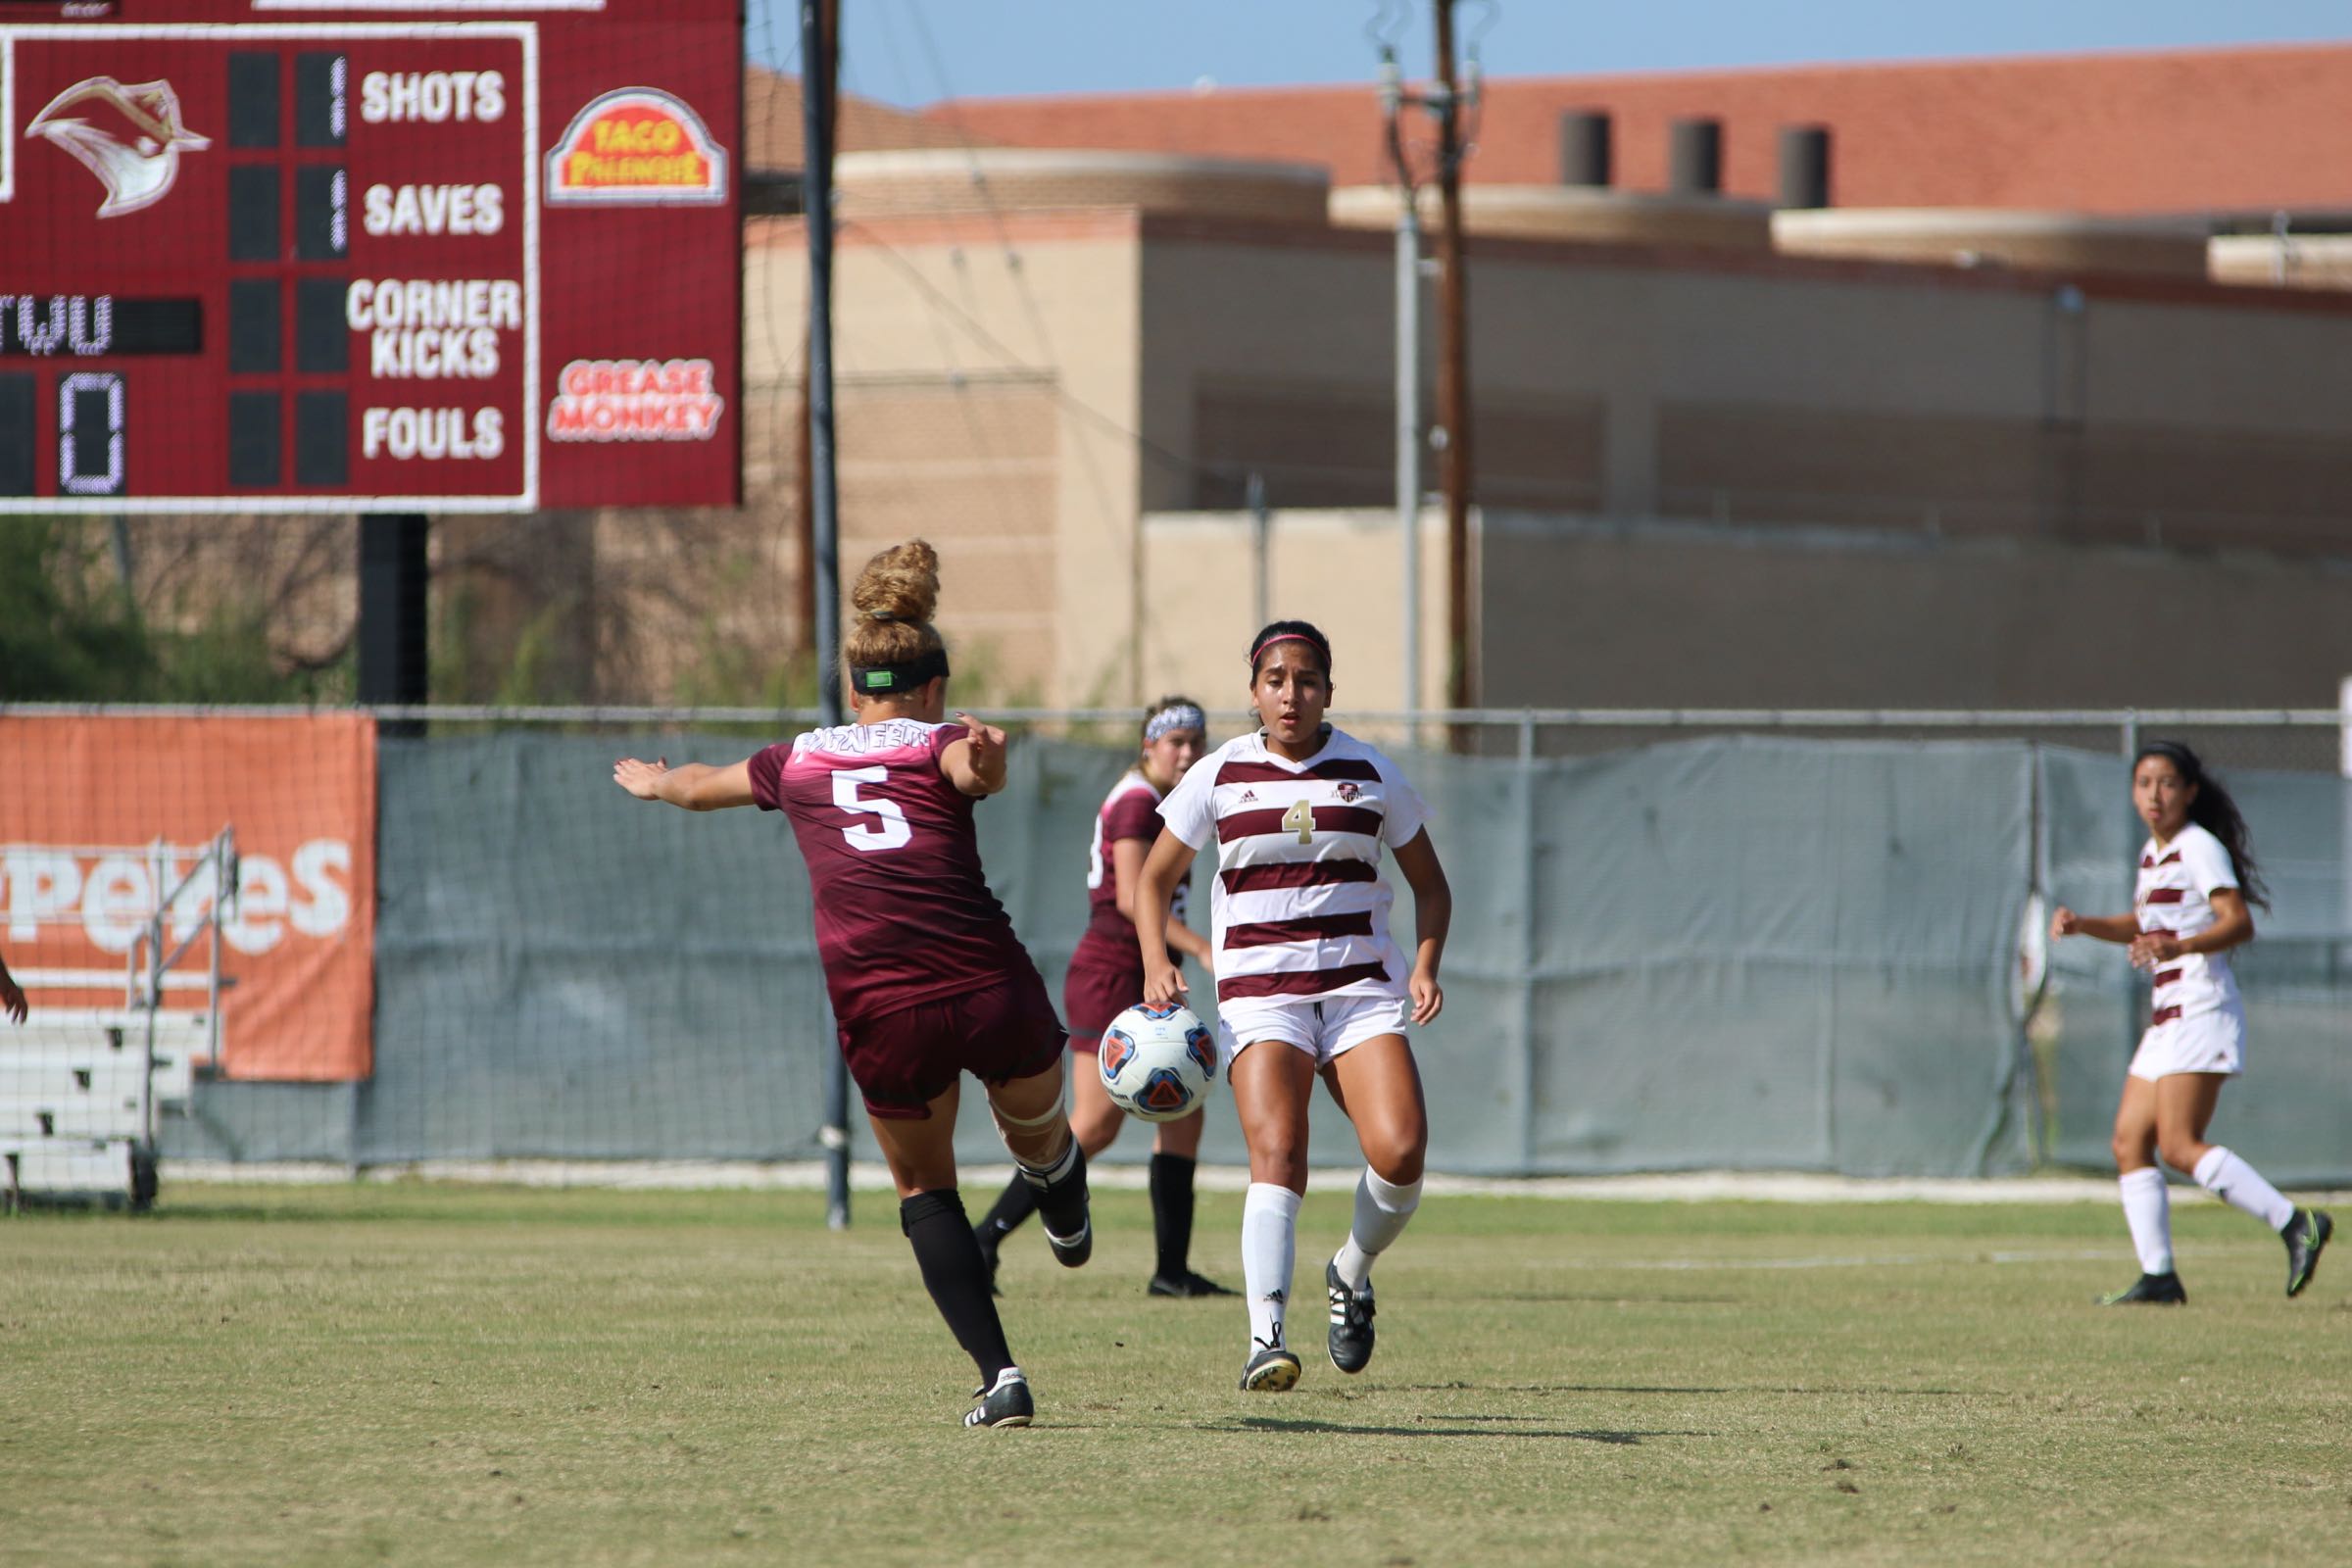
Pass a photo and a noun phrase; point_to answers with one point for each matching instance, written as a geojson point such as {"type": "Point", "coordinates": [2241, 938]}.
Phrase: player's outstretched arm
{"type": "Point", "coordinates": [696, 786]}
{"type": "Point", "coordinates": [1165, 866]}
{"type": "Point", "coordinates": [1127, 857]}
{"type": "Point", "coordinates": [1433, 914]}
{"type": "Point", "coordinates": [2120, 929]}
{"type": "Point", "coordinates": [975, 763]}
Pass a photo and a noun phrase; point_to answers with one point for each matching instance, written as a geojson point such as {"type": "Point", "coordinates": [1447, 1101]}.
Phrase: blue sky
{"type": "Point", "coordinates": [920, 51]}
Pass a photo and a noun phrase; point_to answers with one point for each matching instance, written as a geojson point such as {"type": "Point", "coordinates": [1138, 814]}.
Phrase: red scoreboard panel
{"type": "Point", "coordinates": [309, 255]}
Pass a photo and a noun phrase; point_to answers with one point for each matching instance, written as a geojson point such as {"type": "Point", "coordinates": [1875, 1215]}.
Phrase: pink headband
{"type": "Point", "coordinates": [1258, 652]}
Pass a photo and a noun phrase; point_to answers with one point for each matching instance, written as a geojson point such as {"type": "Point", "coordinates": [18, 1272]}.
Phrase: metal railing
{"type": "Point", "coordinates": [2304, 739]}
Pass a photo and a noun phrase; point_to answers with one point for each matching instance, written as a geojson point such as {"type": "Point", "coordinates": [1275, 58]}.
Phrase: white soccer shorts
{"type": "Point", "coordinates": [2204, 1042]}
{"type": "Point", "coordinates": [1323, 1029]}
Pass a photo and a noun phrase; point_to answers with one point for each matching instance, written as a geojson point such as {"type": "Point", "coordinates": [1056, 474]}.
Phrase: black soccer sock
{"type": "Point", "coordinates": [957, 1276]}
{"type": "Point", "coordinates": [1172, 1212]}
{"type": "Point", "coordinates": [1014, 1204]}
{"type": "Point", "coordinates": [1061, 1196]}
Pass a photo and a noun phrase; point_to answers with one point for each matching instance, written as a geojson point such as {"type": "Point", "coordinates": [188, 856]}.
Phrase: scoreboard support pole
{"type": "Point", "coordinates": [820, 39]}
{"type": "Point", "coordinates": [391, 635]}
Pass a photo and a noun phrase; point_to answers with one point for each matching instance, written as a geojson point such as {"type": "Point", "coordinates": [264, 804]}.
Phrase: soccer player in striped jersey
{"type": "Point", "coordinates": [2197, 877]}
{"type": "Point", "coordinates": [926, 978]}
{"type": "Point", "coordinates": [1309, 981]}
{"type": "Point", "coordinates": [1106, 978]}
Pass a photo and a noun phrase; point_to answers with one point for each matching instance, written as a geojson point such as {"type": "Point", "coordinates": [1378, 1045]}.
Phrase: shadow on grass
{"type": "Point", "coordinates": [1268, 1423]}
{"type": "Point", "coordinates": [1664, 1388]}
{"type": "Point", "coordinates": [1595, 1299]}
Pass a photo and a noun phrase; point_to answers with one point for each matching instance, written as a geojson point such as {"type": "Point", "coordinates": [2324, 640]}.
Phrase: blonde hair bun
{"type": "Point", "coordinates": [900, 584]}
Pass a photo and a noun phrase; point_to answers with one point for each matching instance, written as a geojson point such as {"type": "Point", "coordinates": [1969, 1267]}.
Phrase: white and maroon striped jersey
{"type": "Point", "coordinates": [2174, 895]}
{"type": "Point", "coordinates": [1298, 907]}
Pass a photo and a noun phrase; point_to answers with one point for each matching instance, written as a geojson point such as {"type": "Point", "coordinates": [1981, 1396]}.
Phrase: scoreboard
{"type": "Point", "coordinates": [426, 256]}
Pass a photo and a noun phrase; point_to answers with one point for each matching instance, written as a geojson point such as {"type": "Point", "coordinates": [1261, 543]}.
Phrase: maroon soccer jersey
{"type": "Point", "coordinates": [904, 914]}
{"type": "Point", "coordinates": [1131, 811]}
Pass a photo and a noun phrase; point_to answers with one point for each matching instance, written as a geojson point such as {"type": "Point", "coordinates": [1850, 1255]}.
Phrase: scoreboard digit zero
{"type": "Point", "coordinates": [369, 254]}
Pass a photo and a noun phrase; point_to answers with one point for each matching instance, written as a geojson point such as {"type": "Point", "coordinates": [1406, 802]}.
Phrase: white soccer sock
{"type": "Point", "coordinates": [1381, 1210]}
{"type": "Point", "coordinates": [2149, 1213]}
{"type": "Point", "coordinates": [2241, 1186]}
{"type": "Point", "coordinates": [1269, 1248]}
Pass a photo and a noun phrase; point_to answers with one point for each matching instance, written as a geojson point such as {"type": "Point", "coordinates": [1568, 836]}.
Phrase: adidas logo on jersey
{"type": "Point", "coordinates": [1248, 796]}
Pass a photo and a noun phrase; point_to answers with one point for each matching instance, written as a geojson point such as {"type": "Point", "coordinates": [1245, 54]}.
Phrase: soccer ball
{"type": "Point", "coordinates": [1157, 1063]}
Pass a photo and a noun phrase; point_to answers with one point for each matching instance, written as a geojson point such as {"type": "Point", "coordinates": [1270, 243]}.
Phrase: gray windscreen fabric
{"type": "Point", "coordinates": [2286, 1112]}
{"type": "Point", "coordinates": [1741, 953]}
{"type": "Point", "coordinates": [1779, 953]}
{"type": "Point", "coordinates": [563, 970]}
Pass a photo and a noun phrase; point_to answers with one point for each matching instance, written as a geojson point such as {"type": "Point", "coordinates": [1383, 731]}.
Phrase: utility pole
{"type": "Point", "coordinates": [818, 41]}
{"type": "Point", "coordinates": [804, 522]}
{"type": "Point", "coordinates": [1447, 103]}
{"type": "Point", "coordinates": [1409, 388]}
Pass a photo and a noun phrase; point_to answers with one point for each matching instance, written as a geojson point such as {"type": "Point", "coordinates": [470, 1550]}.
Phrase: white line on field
{"type": "Point", "coordinates": [1696, 1186]}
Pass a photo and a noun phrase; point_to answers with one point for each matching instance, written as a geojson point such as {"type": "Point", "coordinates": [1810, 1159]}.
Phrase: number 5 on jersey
{"type": "Point", "coordinates": [889, 830]}
{"type": "Point", "coordinates": [1300, 819]}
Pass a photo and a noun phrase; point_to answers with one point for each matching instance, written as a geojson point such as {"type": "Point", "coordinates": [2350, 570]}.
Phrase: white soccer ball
{"type": "Point", "coordinates": [1157, 1063]}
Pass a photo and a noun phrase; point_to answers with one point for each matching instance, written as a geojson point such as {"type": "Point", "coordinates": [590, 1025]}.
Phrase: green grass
{"type": "Point", "coordinates": [434, 1375]}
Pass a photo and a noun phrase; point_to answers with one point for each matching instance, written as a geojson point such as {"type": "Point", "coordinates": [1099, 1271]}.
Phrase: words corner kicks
{"type": "Point", "coordinates": [1005, 1404]}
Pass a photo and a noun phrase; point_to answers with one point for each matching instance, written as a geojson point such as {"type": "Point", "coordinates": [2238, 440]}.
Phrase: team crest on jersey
{"type": "Point", "coordinates": [1117, 1050]}
{"type": "Point", "coordinates": [1197, 1046]}
{"type": "Point", "coordinates": [1348, 792]}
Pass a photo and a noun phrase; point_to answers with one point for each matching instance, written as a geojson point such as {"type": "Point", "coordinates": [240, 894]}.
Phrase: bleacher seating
{"type": "Point", "coordinates": [80, 1102]}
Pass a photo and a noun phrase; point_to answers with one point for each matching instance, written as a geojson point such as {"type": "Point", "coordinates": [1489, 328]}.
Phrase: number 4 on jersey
{"type": "Point", "coordinates": [1300, 819]}
{"type": "Point", "coordinates": [888, 831]}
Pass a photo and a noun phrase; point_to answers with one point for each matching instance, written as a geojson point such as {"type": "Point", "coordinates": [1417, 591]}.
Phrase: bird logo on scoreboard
{"type": "Point", "coordinates": [131, 138]}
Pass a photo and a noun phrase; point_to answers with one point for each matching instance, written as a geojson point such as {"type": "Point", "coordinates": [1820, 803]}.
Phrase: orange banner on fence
{"type": "Point", "coordinates": [83, 801]}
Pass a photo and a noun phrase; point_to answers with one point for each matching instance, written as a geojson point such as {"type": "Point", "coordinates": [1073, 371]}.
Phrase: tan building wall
{"type": "Point", "coordinates": [985, 386]}
{"type": "Point", "coordinates": [1025, 388]}
{"type": "Point", "coordinates": [1342, 569]}
{"type": "Point", "coordinates": [1579, 613]}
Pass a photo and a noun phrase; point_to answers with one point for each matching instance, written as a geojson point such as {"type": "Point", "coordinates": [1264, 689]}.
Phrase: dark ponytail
{"type": "Point", "coordinates": [2216, 813]}
{"type": "Point", "coordinates": [1283, 631]}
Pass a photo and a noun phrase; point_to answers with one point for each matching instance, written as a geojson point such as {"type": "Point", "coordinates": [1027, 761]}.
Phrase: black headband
{"type": "Point", "coordinates": [2180, 755]}
{"type": "Point", "coordinates": [890, 680]}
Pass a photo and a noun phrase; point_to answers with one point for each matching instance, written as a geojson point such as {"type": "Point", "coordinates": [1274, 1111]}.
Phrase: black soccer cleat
{"type": "Point", "coordinates": [1005, 1404]}
{"type": "Point", "coordinates": [1185, 1284]}
{"type": "Point", "coordinates": [2305, 1235]}
{"type": "Point", "coordinates": [1072, 1251]}
{"type": "Point", "coordinates": [1063, 1211]}
{"type": "Point", "coordinates": [2150, 1289]}
{"type": "Point", "coordinates": [1272, 1370]}
{"type": "Point", "coordinates": [1350, 1321]}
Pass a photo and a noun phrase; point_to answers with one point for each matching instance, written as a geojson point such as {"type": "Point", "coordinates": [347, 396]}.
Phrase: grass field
{"type": "Point", "coordinates": [436, 1375]}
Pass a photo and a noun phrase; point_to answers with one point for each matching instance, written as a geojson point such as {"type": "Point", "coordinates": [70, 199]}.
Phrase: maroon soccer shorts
{"type": "Point", "coordinates": [903, 1059]}
{"type": "Point", "coordinates": [1093, 995]}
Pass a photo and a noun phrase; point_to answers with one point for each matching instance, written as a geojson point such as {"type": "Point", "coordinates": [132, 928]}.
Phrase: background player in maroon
{"type": "Point", "coordinates": [1106, 978]}
{"type": "Point", "coordinates": [927, 979]}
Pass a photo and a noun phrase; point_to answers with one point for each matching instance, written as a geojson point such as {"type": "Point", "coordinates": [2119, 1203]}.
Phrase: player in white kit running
{"type": "Point", "coordinates": [1307, 978]}
{"type": "Point", "coordinates": [2197, 878]}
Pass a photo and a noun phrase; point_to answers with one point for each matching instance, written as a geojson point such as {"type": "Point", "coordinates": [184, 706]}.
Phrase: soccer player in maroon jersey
{"type": "Point", "coordinates": [927, 979]}
{"type": "Point", "coordinates": [1309, 981]}
{"type": "Point", "coordinates": [1106, 978]}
